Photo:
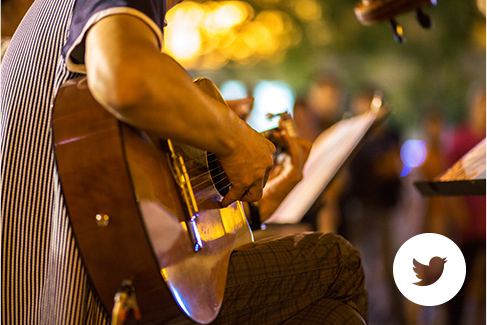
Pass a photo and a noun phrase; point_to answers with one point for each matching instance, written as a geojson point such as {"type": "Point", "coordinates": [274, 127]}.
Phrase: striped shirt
{"type": "Point", "coordinates": [43, 278]}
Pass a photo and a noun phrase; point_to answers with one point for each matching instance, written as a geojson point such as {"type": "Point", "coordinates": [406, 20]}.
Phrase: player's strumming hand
{"type": "Point", "coordinates": [247, 166]}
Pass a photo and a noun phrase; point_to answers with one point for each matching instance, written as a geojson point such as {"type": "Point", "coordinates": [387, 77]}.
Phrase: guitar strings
{"type": "Point", "coordinates": [207, 198]}
{"type": "Point", "coordinates": [189, 164]}
{"type": "Point", "coordinates": [215, 183]}
{"type": "Point", "coordinates": [205, 173]}
{"type": "Point", "coordinates": [192, 165]}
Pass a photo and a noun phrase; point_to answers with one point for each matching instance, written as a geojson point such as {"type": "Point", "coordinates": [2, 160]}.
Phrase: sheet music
{"type": "Point", "coordinates": [470, 166]}
{"type": "Point", "coordinates": [329, 152]}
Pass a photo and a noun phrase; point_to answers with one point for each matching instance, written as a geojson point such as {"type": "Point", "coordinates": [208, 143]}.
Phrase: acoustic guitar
{"type": "Point", "coordinates": [145, 212]}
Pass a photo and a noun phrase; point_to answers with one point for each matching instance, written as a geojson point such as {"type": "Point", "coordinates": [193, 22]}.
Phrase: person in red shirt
{"type": "Point", "coordinates": [469, 211]}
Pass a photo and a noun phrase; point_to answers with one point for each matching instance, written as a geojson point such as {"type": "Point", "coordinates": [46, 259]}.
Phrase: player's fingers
{"type": "Point", "coordinates": [234, 194]}
{"type": "Point", "coordinates": [254, 193]}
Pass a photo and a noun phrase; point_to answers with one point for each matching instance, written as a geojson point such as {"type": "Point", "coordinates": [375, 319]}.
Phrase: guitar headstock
{"type": "Point", "coordinates": [369, 12]}
{"type": "Point", "coordinates": [286, 123]}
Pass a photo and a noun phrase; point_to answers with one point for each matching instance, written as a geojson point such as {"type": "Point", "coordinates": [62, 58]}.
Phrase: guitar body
{"type": "Point", "coordinates": [145, 210]}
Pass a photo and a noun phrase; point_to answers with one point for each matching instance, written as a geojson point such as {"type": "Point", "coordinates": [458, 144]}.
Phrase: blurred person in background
{"type": "Point", "coordinates": [322, 107]}
{"type": "Point", "coordinates": [434, 128]}
{"type": "Point", "coordinates": [461, 218]}
{"type": "Point", "coordinates": [368, 201]}
{"type": "Point", "coordinates": [435, 216]}
{"type": "Point", "coordinates": [469, 215]}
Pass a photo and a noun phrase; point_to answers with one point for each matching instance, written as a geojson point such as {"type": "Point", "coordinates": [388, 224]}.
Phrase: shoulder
{"type": "Point", "coordinates": [89, 12]}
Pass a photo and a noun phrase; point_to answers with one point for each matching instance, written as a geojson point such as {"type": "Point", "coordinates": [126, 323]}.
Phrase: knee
{"type": "Point", "coordinates": [341, 249]}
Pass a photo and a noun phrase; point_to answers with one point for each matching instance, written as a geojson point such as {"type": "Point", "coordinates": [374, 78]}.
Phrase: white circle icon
{"type": "Point", "coordinates": [429, 269]}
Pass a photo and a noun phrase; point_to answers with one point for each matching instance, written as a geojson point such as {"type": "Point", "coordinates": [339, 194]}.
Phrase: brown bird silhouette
{"type": "Point", "coordinates": [429, 274]}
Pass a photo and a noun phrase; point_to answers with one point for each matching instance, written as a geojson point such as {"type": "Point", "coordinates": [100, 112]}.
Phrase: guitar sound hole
{"type": "Point", "coordinates": [218, 177]}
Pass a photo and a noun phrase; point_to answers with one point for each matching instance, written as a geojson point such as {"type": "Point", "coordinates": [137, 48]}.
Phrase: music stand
{"type": "Point", "coordinates": [466, 177]}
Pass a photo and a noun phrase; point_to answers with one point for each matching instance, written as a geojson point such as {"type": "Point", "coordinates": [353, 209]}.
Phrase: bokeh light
{"type": "Point", "coordinates": [307, 10]}
{"type": "Point", "coordinates": [209, 35]}
{"type": "Point", "coordinates": [233, 89]}
{"type": "Point", "coordinates": [270, 97]}
{"type": "Point", "coordinates": [413, 154]}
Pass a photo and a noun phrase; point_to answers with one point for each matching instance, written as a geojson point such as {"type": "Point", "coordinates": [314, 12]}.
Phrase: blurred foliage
{"type": "Point", "coordinates": [433, 69]}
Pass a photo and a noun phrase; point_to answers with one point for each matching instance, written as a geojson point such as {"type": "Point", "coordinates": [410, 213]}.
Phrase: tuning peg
{"type": "Point", "coordinates": [423, 19]}
{"type": "Point", "coordinates": [397, 30]}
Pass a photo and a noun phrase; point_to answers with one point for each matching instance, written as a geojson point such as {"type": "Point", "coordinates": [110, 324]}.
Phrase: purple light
{"type": "Point", "coordinates": [405, 171]}
{"type": "Point", "coordinates": [413, 154]}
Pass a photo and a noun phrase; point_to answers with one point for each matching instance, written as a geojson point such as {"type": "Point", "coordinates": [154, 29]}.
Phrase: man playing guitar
{"type": "Point", "coordinates": [305, 278]}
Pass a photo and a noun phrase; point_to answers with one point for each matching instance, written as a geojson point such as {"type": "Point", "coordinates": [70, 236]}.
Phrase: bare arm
{"type": "Point", "coordinates": [145, 88]}
{"type": "Point", "coordinates": [286, 175]}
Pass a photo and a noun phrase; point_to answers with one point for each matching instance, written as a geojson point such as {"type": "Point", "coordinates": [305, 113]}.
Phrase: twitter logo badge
{"type": "Point", "coordinates": [429, 274]}
{"type": "Point", "coordinates": [429, 269]}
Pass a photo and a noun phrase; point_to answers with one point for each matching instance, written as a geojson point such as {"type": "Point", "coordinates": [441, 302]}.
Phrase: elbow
{"type": "Point", "coordinates": [127, 90]}
{"type": "Point", "coordinates": [118, 90]}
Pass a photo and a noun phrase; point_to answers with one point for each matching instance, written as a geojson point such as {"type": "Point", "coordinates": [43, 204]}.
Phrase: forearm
{"type": "Point", "coordinates": [274, 193]}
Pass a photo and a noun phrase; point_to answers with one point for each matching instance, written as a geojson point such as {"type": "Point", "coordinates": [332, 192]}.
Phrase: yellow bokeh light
{"type": "Point", "coordinates": [272, 20]}
{"type": "Point", "coordinates": [185, 45]}
{"type": "Point", "coordinates": [239, 50]}
{"type": "Point", "coordinates": [195, 14]}
{"type": "Point", "coordinates": [186, 13]}
{"type": "Point", "coordinates": [208, 35]}
{"type": "Point", "coordinates": [229, 14]}
{"type": "Point", "coordinates": [479, 34]}
{"type": "Point", "coordinates": [215, 61]}
{"type": "Point", "coordinates": [308, 10]}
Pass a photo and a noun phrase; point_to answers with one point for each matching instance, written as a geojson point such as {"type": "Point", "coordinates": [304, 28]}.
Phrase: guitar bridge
{"type": "Point", "coordinates": [181, 176]}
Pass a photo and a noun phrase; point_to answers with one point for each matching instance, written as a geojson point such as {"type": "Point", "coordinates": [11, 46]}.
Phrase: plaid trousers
{"type": "Point", "coordinates": [307, 278]}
